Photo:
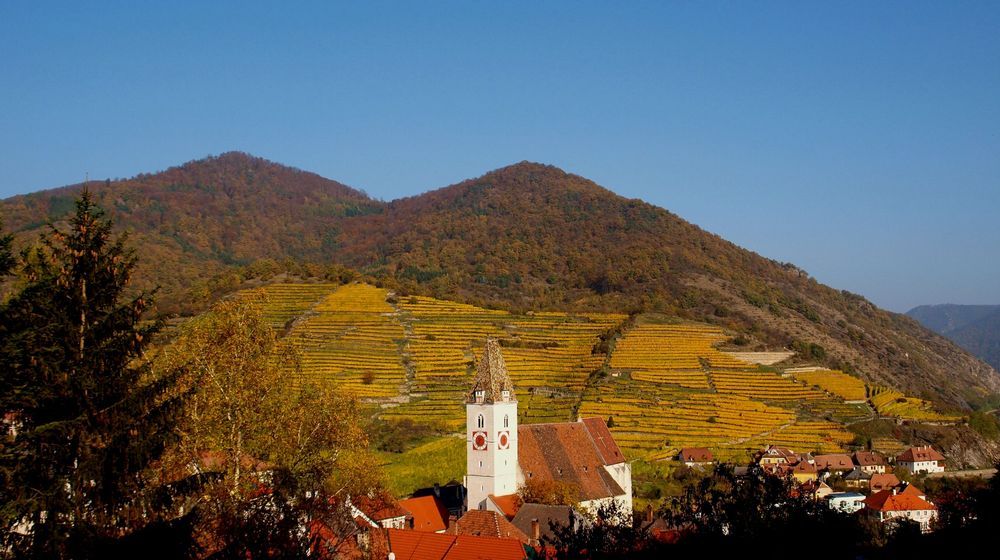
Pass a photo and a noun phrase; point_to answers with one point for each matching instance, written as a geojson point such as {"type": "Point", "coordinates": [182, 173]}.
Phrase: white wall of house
{"type": "Point", "coordinates": [922, 516]}
{"type": "Point", "coordinates": [916, 467]}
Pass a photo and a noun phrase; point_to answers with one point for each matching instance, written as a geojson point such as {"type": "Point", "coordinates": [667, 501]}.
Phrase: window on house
{"type": "Point", "coordinates": [480, 421]}
{"type": "Point", "coordinates": [506, 421]}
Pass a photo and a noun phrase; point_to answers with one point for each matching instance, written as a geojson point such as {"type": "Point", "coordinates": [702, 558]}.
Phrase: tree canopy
{"type": "Point", "coordinates": [87, 417]}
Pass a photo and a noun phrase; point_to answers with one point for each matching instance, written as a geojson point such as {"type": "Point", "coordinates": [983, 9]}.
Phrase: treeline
{"type": "Point", "coordinates": [203, 448]}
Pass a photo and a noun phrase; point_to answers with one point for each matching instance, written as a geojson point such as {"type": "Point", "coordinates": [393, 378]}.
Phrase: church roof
{"type": "Point", "coordinates": [567, 453]}
{"type": "Point", "coordinates": [491, 376]}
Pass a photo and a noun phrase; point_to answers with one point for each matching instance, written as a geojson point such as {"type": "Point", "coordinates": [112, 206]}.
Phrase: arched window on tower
{"type": "Point", "coordinates": [506, 421]}
{"type": "Point", "coordinates": [480, 422]}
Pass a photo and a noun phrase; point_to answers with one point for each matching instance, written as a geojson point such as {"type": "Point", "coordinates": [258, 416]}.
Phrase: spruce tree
{"type": "Point", "coordinates": [87, 414]}
{"type": "Point", "coordinates": [6, 255]}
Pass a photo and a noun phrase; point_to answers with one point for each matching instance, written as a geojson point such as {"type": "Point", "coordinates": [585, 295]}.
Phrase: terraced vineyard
{"type": "Point", "coordinates": [890, 402]}
{"type": "Point", "coordinates": [669, 354]}
{"type": "Point", "coordinates": [838, 383]}
{"type": "Point", "coordinates": [670, 387]}
{"type": "Point", "coordinates": [763, 385]}
{"type": "Point", "coordinates": [656, 420]}
{"type": "Point", "coordinates": [287, 302]}
{"type": "Point", "coordinates": [549, 356]}
{"type": "Point", "coordinates": [351, 337]}
{"type": "Point", "coordinates": [676, 389]}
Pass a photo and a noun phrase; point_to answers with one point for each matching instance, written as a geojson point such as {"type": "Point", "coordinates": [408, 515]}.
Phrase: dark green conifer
{"type": "Point", "coordinates": [87, 417]}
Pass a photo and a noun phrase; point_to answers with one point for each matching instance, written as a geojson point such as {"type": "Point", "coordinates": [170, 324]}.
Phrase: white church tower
{"type": "Point", "coordinates": [491, 431]}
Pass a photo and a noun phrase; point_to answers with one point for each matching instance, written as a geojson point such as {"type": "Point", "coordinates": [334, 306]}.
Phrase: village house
{"type": "Point", "coordinates": [905, 502]}
{"type": "Point", "coordinates": [858, 478]}
{"type": "Point", "coordinates": [695, 456]}
{"type": "Point", "coordinates": [483, 523]}
{"type": "Point", "coordinates": [537, 520]}
{"type": "Point", "coordinates": [822, 491]}
{"type": "Point", "coordinates": [881, 482]}
{"type": "Point", "coordinates": [833, 464]}
{"type": "Point", "coordinates": [426, 513]}
{"type": "Point", "coordinates": [775, 456]}
{"type": "Point", "coordinates": [871, 462]}
{"type": "Point", "coordinates": [804, 471]}
{"type": "Point", "coordinates": [923, 459]}
{"type": "Point", "coordinates": [847, 502]}
{"type": "Point", "coordinates": [403, 544]}
{"type": "Point", "coordinates": [451, 496]}
{"type": "Point", "coordinates": [501, 456]}
{"type": "Point", "coordinates": [378, 510]}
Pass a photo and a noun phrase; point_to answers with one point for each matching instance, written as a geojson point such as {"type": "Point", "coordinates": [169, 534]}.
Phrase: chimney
{"type": "Point", "coordinates": [649, 513]}
{"type": "Point", "coordinates": [410, 522]}
{"type": "Point", "coordinates": [536, 531]}
{"type": "Point", "coordinates": [452, 525]}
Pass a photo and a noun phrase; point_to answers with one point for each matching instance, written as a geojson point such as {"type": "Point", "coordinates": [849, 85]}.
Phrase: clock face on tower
{"type": "Point", "coordinates": [504, 440]}
{"type": "Point", "coordinates": [479, 441]}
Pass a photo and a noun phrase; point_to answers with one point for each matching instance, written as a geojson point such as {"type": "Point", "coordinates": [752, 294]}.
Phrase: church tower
{"type": "Point", "coordinates": [491, 431]}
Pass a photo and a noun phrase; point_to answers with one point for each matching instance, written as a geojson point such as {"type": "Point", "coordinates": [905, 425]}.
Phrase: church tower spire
{"type": "Point", "coordinates": [492, 383]}
{"type": "Point", "coordinates": [491, 431]}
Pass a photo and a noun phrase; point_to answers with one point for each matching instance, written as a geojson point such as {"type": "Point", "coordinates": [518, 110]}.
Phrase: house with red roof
{"type": "Point", "coordinates": [378, 510]}
{"type": "Point", "coordinates": [871, 462]}
{"type": "Point", "coordinates": [695, 456]}
{"type": "Point", "coordinates": [837, 463]}
{"type": "Point", "coordinates": [886, 481]}
{"type": "Point", "coordinates": [805, 471]}
{"type": "Point", "coordinates": [418, 545]}
{"type": "Point", "coordinates": [502, 456]}
{"type": "Point", "coordinates": [775, 455]}
{"type": "Point", "coordinates": [902, 503]}
{"type": "Point", "coordinates": [483, 523]}
{"type": "Point", "coordinates": [425, 513]}
{"type": "Point", "coordinates": [509, 505]}
{"type": "Point", "coordinates": [923, 459]}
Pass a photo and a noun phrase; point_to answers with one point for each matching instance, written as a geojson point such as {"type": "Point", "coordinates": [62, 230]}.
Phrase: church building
{"type": "Point", "coordinates": [502, 456]}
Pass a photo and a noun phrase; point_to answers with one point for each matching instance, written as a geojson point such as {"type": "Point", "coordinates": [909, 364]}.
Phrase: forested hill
{"type": "Point", "coordinates": [527, 237]}
{"type": "Point", "coordinates": [194, 222]}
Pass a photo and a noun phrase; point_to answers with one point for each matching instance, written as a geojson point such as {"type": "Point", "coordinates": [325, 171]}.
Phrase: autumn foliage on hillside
{"type": "Point", "coordinates": [525, 237]}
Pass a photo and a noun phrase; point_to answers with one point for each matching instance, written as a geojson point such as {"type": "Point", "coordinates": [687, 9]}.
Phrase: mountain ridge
{"type": "Point", "coordinates": [975, 328]}
{"type": "Point", "coordinates": [526, 236]}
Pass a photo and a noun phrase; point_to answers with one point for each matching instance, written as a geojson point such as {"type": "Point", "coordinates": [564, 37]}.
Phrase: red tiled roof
{"type": "Point", "coordinates": [696, 455]}
{"type": "Point", "coordinates": [883, 482]}
{"type": "Point", "coordinates": [887, 501]}
{"type": "Point", "coordinates": [416, 545]}
{"type": "Point", "coordinates": [604, 441]}
{"type": "Point", "coordinates": [428, 513]}
{"type": "Point", "coordinates": [509, 504]}
{"type": "Point", "coordinates": [483, 523]}
{"type": "Point", "coordinates": [868, 458]}
{"type": "Point", "coordinates": [565, 453]}
{"type": "Point", "coordinates": [924, 453]}
{"type": "Point", "coordinates": [836, 461]}
{"type": "Point", "coordinates": [912, 490]}
{"type": "Point", "coordinates": [378, 507]}
{"type": "Point", "coordinates": [804, 467]}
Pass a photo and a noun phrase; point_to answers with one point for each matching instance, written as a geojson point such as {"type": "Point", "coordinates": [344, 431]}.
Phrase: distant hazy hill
{"type": "Point", "coordinates": [974, 327]}
{"type": "Point", "coordinates": [527, 236]}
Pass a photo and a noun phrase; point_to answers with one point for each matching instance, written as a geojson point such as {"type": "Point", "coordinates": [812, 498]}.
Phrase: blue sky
{"type": "Point", "coordinates": [860, 141]}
